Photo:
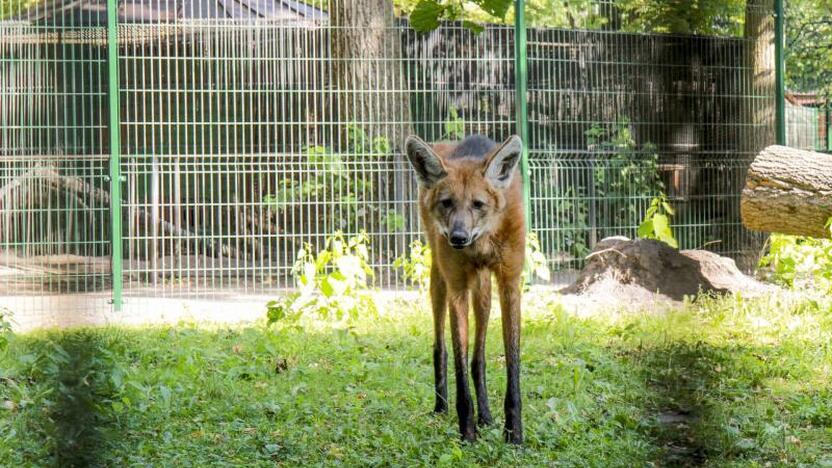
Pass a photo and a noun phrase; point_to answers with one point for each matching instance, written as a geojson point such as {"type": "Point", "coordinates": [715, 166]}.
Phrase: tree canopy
{"type": "Point", "coordinates": [809, 46]}
{"type": "Point", "coordinates": [707, 17]}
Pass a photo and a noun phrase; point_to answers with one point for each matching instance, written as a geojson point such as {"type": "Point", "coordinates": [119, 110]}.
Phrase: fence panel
{"type": "Point", "coordinates": [54, 227]}
{"type": "Point", "coordinates": [245, 137]}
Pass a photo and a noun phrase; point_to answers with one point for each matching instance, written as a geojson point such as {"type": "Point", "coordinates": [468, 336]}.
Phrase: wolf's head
{"type": "Point", "coordinates": [464, 185]}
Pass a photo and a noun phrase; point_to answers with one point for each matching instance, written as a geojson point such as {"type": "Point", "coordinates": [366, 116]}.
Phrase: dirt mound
{"type": "Point", "coordinates": [644, 270]}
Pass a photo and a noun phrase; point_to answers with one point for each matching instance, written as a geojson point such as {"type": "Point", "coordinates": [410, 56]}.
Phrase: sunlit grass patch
{"type": "Point", "coordinates": [730, 381]}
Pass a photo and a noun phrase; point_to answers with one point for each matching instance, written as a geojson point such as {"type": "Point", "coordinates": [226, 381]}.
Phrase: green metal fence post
{"type": "Point", "coordinates": [115, 153]}
{"type": "Point", "coordinates": [521, 85]}
{"type": "Point", "coordinates": [780, 70]}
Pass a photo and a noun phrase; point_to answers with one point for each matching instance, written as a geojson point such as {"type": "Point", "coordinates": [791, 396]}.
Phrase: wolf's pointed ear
{"type": "Point", "coordinates": [499, 168]}
{"type": "Point", "coordinates": [427, 164]}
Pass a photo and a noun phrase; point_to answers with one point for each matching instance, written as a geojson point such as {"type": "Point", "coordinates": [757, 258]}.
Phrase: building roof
{"type": "Point", "coordinates": [87, 13]}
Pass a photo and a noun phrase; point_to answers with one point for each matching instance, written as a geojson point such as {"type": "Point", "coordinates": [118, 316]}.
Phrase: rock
{"type": "Point", "coordinates": [644, 267]}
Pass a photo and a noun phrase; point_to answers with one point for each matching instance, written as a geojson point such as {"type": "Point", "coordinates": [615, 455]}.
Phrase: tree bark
{"type": "Point", "coordinates": [367, 53]}
{"type": "Point", "coordinates": [372, 94]}
{"type": "Point", "coordinates": [788, 191]}
{"type": "Point", "coordinates": [760, 113]}
{"type": "Point", "coordinates": [757, 115]}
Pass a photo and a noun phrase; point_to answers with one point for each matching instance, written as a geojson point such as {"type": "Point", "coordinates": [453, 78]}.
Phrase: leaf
{"type": "Point", "coordinates": [476, 28]}
{"type": "Point", "coordinates": [496, 8]}
{"type": "Point", "coordinates": [661, 226]}
{"type": "Point", "coordinates": [645, 229]}
{"type": "Point", "coordinates": [426, 15]}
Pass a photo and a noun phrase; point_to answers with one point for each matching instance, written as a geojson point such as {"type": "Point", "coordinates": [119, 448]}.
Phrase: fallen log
{"type": "Point", "coordinates": [788, 191]}
{"type": "Point", "coordinates": [43, 181]}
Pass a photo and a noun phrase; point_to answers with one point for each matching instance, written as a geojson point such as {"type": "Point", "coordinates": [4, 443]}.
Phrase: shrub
{"type": "Point", "coordinates": [800, 262]}
{"type": "Point", "coordinates": [656, 223]}
{"type": "Point", "coordinates": [332, 282]}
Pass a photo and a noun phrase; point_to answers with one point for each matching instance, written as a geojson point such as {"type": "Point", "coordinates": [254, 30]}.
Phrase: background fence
{"type": "Point", "coordinates": [241, 140]}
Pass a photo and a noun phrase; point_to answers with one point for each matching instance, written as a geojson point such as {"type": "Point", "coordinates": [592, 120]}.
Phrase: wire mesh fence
{"type": "Point", "coordinates": [247, 137]}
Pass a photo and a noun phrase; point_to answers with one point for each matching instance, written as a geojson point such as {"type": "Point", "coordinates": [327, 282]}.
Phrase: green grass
{"type": "Point", "coordinates": [731, 382]}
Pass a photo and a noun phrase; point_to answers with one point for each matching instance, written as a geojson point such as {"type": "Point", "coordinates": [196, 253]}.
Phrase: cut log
{"type": "Point", "coordinates": [788, 191]}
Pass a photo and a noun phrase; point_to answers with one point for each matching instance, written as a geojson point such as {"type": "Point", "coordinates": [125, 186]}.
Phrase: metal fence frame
{"type": "Point", "coordinates": [118, 161]}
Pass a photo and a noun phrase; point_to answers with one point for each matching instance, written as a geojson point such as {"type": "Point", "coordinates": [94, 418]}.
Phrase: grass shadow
{"type": "Point", "coordinates": [68, 387]}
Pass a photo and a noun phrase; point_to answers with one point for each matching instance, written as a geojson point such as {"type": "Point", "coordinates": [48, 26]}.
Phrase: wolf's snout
{"type": "Point", "coordinates": [459, 239]}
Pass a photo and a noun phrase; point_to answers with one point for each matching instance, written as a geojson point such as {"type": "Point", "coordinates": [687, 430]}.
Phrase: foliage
{"type": "Point", "coordinates": [416, 264]}
{"type": "Point", "coordinates": [809, 45]}
{"type": "Point", "coordinates": [704, 17]}
{"type": "Point", "coordinates": [5, 328]}
{"type": "Point", "coordinates": [425, 15]}
{"type": "Point", "coordinates": [656, 223]}
{"type": "Point", "coordinates": [332, 283]}
{"type": "Point", "coordinates": [454, 125]}
{"type": "Point", "coordinates": [13, 8]}
{"type": "Point", "coordinates": [621, 175]}
{"type": "Point", "coordinates": [537, 266]}
{"type": "Point", "coordinates": [800, 262]}
{"type": "Point", "coordinates": [728, 382]}
{"type": "Point", "coordinates": [626, 171]}
{"type": "Point", "coordinates": [335, 184]}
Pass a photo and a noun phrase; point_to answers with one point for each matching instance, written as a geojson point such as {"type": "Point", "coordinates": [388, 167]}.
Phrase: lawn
{"type": "Point", "coordinates": [721, 382]}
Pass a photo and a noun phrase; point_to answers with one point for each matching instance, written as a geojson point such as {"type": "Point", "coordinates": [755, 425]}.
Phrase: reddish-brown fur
{"type": "Point", "coordinates": [462, 275]}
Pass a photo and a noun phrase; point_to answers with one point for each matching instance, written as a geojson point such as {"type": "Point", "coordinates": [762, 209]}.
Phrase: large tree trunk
{"type": "Point", "coordinates": [372, 90]}
{"type": "Point", "coordinates": [788, 191]}
{"type": "Point", "coordinates": [372, 94]}
{"type": "Point", "coordinates": [758, 114]}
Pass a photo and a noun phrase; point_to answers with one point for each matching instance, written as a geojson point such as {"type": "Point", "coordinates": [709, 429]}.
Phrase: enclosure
{"type": "Point", "coordinates": [222, 184]}
{"type": "Point", "coordinates": [191, 150]}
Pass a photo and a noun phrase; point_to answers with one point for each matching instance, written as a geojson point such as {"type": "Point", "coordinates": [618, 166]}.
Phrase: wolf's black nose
{"type": "Point", "coordinates": [459, 239]}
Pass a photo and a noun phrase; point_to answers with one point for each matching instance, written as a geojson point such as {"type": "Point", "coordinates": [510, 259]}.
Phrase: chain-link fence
{"type": "Point", "coordinates": [248, 131]}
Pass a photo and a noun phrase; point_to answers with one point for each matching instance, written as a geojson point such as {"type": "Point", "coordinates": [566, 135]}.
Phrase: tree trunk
{"type": "Point", "coordinates": [760, 113]}
{"type": "Point", "coordinates": [788, 191]}
{"type": "Point", "coordinates": [367, 53]}
{"type": "Point", "coordinates": [372, 94]}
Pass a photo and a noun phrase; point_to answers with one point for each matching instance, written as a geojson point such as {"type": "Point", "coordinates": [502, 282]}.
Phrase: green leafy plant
{"type": "Point", "coordinates": [427, 14]}
{"type": "Point", "coordinates": [622, 176]}
{"type": "Point", "coordinates": [5, 328]}
{"type": "Point", "coordinates": [800, 262]}
{"type": "Point", "coordinates": [416, 264]}
{"type": "Point", "coordinates": [332, 283]}
{"type": "Point", "coordinates": [626, 174]}
{"type": "Point", "coordinates": [454, 125]}
{"type": "Point", "coordinates": [536, 264]}
{"type": "Point", "coordinates": [656, 223]}
{"type": "Point", "coordinates": [347, 192]}
{"type": "Point", "coordinates": [572, 213]}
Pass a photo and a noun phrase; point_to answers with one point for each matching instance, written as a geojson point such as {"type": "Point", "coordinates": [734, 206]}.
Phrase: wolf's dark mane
{"type": "Point", "coordinates": [474, 146]}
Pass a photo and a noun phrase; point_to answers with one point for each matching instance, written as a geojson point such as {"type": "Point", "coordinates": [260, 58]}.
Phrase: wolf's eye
{"type": "Point", "coordinates": [446, 203]}
{"type": "Point", "coordinates": [478, 204]}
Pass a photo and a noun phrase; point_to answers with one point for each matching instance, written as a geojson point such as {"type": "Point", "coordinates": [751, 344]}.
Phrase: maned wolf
{"type": "Point", "coordinates": [471, 204]}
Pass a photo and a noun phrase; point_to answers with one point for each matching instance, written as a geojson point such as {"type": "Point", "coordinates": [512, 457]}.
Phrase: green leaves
{"type": "Point", "coordinates": [536, 263]}
{"type": "Point", "coordinates": [416, 264]}
{"type": "Point", "coordinates": [799, 262]}
{"type": "Point", "coordinates": [454, 125]}
{"type": "Point", "coordinates": [332, 283]}
{"type": "Point", "coordinates": [427, 14]}
{"type": "Point", "coordinates": [656, 223]}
